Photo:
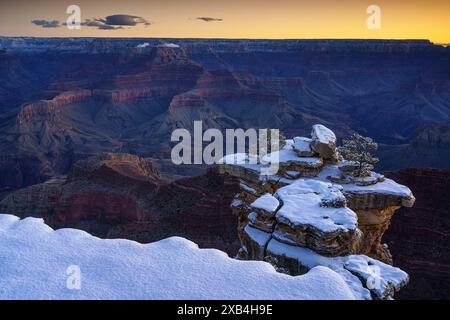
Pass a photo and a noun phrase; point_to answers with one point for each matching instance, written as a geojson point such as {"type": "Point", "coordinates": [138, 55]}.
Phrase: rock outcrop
{"type": "Point", "coordinates": [302, 217]}
{"type": "Point", "coordinates": [323, 141]}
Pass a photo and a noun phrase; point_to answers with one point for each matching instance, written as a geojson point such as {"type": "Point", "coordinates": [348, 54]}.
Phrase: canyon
{"type": "Point", "coordinates": [122, 196]}
{"type": "Point", "coordinates": [415, 238]}
{"type": "Point", "coordinates": [85, 130]}
{"type": "Point", "coordinates": [62, 100]}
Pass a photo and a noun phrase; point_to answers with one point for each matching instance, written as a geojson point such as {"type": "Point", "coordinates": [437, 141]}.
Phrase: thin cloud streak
{"type": "Point", "coordinates": [209, 19]}
{"type": "Point", "coordinates": [46, 23]}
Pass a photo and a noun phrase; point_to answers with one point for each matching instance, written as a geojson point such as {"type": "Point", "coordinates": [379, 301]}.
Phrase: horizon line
{"type": "Point", "coordinates": [219, 38]}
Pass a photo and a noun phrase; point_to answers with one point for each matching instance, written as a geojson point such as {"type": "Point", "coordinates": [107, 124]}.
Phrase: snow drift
{"type": "Point", "coordinates": [36, 263]}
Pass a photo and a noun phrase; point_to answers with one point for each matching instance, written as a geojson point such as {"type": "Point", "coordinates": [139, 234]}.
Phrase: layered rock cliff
{"type": "Point", "coordinates": [141, 93]}
{"type": "Point", "coordinates": [313, 212]}
{"type": "Point", "coordinates": [418, 237]}
{"type": "Point", "coordinates": [50, 109]}
{"type": "Point", "coordinates": [122, 196]}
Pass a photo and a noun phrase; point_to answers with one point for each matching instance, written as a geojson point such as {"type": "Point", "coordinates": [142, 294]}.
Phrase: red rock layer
{"type": "Point", "coordinates": [51, 108]}
{"type": "Point", "coordinates": [122, 196]}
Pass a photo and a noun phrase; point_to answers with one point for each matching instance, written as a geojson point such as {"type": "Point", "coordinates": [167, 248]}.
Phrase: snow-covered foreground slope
{"type": "Point", "coordinates": [37, 262]}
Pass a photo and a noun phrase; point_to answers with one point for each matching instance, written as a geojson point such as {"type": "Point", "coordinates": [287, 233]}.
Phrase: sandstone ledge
{"type": "Point", "coordinates": [339, 225]}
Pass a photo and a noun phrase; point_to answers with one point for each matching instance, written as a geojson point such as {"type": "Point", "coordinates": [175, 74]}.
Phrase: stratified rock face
{"type": "Point", "coordinates": [418, 237]}
{"type": "Point", "coordinates": [304, 219]}
{"type": "Point", "coordinates": [50, 109]}
{"type": "Point", "coordinates": [140, 94]}
{"type": "Point", "coordinates": [104, 189]}
{"type": "Point", "coordinates": [123, 164]}
{"type": "Point", "coordinates": [122, 196]}
{"type": "Point", "coordinates": [309, 219]}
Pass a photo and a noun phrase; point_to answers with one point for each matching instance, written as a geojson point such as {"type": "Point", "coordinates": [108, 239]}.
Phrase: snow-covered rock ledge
{"type": "Point", "coordinates": [37, 262]}
{"type": "Point", "coordinates": [320, 209]}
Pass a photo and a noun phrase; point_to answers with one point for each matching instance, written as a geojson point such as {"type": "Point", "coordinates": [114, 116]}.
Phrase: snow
{"type": "Point", "coordinates": [373, 178]}
{"type": "Point", "coordinates": [302, 206]}
{"type": "Point", "coordinates": [310, 259]}
{"type": "Point", "coordinates": [383, 280]}
{"type": "Point", "coordinates": [247, 161]}
{"type": "Point", "coordinates": [288, 156]}
{"type": "Point", "coordinates": [305, 209]}
{"type": "Point", "coordinates": [386, 187]}
{"type": "Point", "coordinates": [168, 45]}
{"type": "Point", "coordinates": [143, 45]}
{"type": "Point", "coordinates": [35, 260]}
{"type": "Point", "coordinates": [289, 144]}
{"type": "Point", "coordinates": [247, 188]}
{"type": "Point", "coordinates": [292, 173]}
{"type": "Point", "coordinates": [256, 222]}
{"type": "Point", "coordinates": [302, 144]}
{"type": "Point", "coordinates": [308, 186]}
{"type": "Point", "coordinates": [323, 134]}
{"type": "Point", "coordinates": [237, 203]}
{"type": "Point", "coordinates": [380, 278]}
{"type": "Point", "coordinates": [319, 203]}
{"type": "Point", "coordinates": [260, 237]}
{"type": "Point", "coordinates": [266, 202]}
{"type": "Point", "coordinates": [236, 158]}
{"type": "Point", "coordinates": [252, 217]}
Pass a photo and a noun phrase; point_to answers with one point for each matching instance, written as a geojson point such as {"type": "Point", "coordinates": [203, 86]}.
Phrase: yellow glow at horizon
{"type": "Point", "coordinates": [273, 19]}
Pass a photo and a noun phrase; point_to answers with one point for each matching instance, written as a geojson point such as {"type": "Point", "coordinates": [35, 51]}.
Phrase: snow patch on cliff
{"type": "Point", "coordinates": [359, 271]}
{"type": "Point", "coordinates": [302, 205]}
{"type": "Point", "coordinates": [266, 202]}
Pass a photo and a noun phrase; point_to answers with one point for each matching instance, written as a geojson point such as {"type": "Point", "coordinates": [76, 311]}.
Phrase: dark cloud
{"type": "Point", "coordinates": [209, 19]}
{"type": "Point", "coordinates": [46, 23]}
{"type": "Point", "coordinates": [124, 20]}
{"type": "Point", "coordinates": [115, 22]}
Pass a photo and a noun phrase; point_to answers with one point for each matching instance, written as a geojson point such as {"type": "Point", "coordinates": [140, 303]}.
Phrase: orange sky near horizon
{"type": "Point", "coordinates": [264, 19]}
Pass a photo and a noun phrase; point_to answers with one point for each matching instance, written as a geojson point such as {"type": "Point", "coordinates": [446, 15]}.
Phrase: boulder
{"type": "Point", "coordinates": [323, 141]}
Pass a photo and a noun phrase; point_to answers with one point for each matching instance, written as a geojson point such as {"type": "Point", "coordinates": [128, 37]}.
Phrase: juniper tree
{"type": "Point", "coordinates": [358, 150]}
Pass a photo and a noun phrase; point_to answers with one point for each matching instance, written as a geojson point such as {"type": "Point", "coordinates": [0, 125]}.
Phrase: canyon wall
{"type": "Point", "coordinates": [115, 96]}
{"type": "Point", "coordinates": [122, 196]}
{"type": "Point", "coordinates": [418, 236]}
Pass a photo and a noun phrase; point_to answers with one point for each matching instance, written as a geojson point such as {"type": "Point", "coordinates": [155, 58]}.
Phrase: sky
{"type": "Point", "coordinates": [261, 19]}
